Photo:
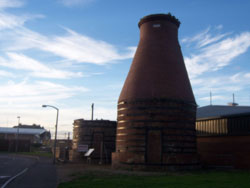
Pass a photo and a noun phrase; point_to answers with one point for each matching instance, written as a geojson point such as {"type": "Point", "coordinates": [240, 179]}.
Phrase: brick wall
{"type": "Point", "coordinates": [224, 151]}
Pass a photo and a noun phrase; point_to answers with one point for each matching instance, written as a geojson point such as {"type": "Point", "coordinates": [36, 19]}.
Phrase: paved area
{"type": "Point", "coordinates": [40, 172]}
{"type": "Point", "coordinates": [11, 164]}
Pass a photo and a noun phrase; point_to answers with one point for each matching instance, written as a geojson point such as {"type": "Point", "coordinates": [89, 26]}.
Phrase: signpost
{"type": "Point", "coordinates": [88, 153]}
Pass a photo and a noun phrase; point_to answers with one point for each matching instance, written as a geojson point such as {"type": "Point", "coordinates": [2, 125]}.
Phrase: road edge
{"type": "Point", "coordinates": [14, 177]}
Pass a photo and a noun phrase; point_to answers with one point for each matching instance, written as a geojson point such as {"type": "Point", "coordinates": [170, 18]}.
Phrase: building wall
{"type": "Point", "coordinates": [97, 134]}
{"type": "Point", "coordinates": [8, 142]}
{"type": "Point", "coordinates": [211, 127]}
{"type": "Point", "coordinates": [224, 142]}
{"type": "Point", "coordinates": [224, 126]}
{"type": "Point", "coordinates": [4, 145]}
{"type": "Point", "coordinates": [224, 151]}
{"type": "Point", "coordinates": [10, 136]}
{"type": "Point", "coordinates": [10, 145]}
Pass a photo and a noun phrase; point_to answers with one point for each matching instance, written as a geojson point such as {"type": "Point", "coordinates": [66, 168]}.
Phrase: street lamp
{"type": "Point", "coordinates": [17, 137]}
{"type": "Point", "coordinates": [44, 106]}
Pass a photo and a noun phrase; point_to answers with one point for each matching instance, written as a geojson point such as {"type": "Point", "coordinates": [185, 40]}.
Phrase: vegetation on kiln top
{"type": "Point", "coordinates": [154, 17]}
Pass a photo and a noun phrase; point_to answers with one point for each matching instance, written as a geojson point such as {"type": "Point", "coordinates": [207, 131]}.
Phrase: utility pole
{"type": "Point", "coordinates": [68, 135]}
{"type": "Point", "coordinates": [68, 139]}
{"type": "Point", "coordinates": [210, 98]}
{"type": "Point", "coordinates": [92, 114]}
{"type": "Point", "coordinates": [57, 114]}
{"type": "Point", "coordinates": [17, 136]}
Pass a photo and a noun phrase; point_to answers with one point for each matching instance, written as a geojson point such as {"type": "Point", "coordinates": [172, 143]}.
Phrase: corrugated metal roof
{"type": "Point", "coordinates": [220, 111]}
{"type": "Point", "coordinates": [21, 130]}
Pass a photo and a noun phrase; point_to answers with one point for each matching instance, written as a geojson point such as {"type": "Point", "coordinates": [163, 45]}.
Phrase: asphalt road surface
{"type": "Point", "coordinates": [35, 172]}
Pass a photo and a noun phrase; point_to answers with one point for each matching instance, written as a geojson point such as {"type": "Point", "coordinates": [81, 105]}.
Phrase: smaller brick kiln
{"type": "Point", "coordinates": [97, 134]}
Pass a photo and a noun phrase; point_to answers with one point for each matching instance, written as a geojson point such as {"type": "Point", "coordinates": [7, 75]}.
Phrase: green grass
{"type": "Point", "coordinates": [32, 153]}
{"type": "Point", "coordinates": [211, 179]}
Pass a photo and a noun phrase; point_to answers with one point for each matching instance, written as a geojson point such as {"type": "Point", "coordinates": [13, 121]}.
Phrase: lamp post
{"type": "Point", "coordinates": [44, 106]}
{"type": "Point", "coordinates": [17, 136]}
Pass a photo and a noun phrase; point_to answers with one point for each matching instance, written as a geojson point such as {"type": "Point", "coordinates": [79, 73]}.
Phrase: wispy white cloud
{"type": "Point", "coordinates": [19, 45]}
{"type": "Point", "coordinates": [222, 88]}
{"type": "Point", "coordinates": [196, 38]}
{"type": "Point", "coordinates": [204, 38]}
{"type": "Point", "coordinates": [37, 69]}
{"type": "Point", "coordinates": [80, 48]}
{"type": "Point", "coordinates": [219, 84]}
{"type": "Point", "coordinates": [6, 74]}
{"type": "Point", "coordinates": [72, 46]}
{"type": "Point", "coordinates": [247, 75]}
{"type": "Point", "coordinates": [71, 3]}
{"type": "Point", "coordinates": [26, 97]}
{"type": "Point", "coordinates": [35, 93]}
{"type": "Point", "coordinates": [211, 53]}
{"type": "Point", "coordinates": [8, 21]}
{"type": "Point", "coordinates": [217, 55]}
{"type": "Point", "coordinates": [10, 4]}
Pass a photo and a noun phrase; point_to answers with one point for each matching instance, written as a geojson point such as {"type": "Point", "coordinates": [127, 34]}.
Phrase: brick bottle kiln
{"type": "Point", "coordinates": [97, 134]}
{"type": "Point", "coordinates": [156, 107]}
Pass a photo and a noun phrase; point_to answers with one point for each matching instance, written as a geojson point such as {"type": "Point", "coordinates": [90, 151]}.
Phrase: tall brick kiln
{"type": "Point", "coordinates": [156, 107]}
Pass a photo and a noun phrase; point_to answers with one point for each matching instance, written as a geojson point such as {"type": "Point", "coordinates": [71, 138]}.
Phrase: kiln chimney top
{"type": "Point", "coordinates": [154, 17]}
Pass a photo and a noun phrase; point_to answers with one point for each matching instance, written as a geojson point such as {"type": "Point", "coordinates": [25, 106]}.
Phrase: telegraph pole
{"type": "Point", "coordinates": [17, 136]}
{"type": "Point", "coordinates": [92, 114]}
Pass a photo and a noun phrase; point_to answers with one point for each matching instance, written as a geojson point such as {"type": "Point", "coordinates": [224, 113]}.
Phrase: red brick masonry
{"type": "Point", "coordinates": [156, 107]}
{"type": "Point", "coordinates": [224, 151]}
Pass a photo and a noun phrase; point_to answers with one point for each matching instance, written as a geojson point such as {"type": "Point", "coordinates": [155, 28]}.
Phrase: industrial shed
{"type": "Point", "coordinates": [223, 136]}
{"type": "Point", "coordinates": [24, 137]}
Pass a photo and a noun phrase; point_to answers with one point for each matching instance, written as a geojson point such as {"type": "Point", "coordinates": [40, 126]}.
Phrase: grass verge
{"type": "Point", "coordinates": [211, 179]}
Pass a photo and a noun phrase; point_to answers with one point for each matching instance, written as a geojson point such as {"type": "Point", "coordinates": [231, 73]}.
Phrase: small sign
{"type": "Point", "coordinates": [82, 148]}
{"type": "Point", "coordinates": [90, 151]}
{"type": "Point", "coordinates": [156, 25]}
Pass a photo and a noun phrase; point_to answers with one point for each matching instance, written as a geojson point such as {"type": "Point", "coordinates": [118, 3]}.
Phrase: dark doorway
{"type": "Point", "coordinates": [97, 144]}
{"type": "Point", "coordinates": [154, 146]}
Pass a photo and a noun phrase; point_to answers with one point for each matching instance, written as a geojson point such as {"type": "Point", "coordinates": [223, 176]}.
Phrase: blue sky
{"type": "Point", "coordinates": [71, 53]}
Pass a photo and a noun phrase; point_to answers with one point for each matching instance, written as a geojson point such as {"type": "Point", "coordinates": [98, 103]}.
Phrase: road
{"type": "Point", "coordinates": [37, 172]}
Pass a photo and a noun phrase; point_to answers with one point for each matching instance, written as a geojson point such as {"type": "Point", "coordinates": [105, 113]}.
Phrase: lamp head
{"type": "Point", "coordinates": [44, 106]}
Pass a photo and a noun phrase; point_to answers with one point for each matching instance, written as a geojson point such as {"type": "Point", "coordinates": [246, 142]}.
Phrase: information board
{"type": "Point", "coordinates": [82, 148]}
